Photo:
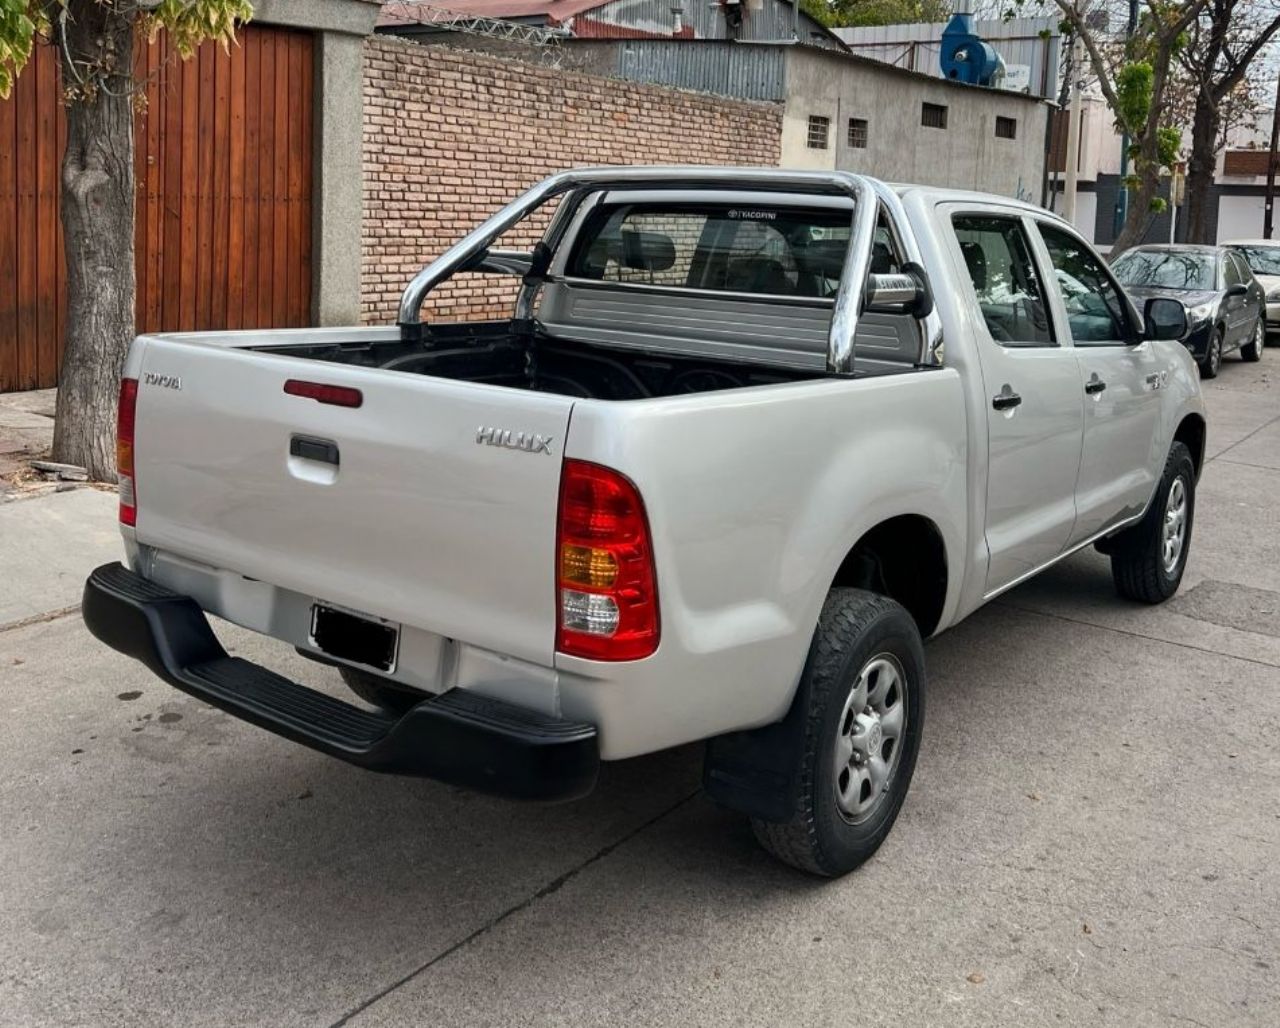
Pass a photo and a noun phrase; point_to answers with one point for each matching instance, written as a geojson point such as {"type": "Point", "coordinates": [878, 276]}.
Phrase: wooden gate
{"type": "Point", "coordinates": [32, 282]}
{"type": "Point", "coordinates": [223, 227]}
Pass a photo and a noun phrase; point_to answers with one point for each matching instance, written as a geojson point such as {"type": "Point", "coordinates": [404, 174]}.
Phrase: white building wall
{"type": "Point", "coordinates": [1239, 217]}
{"type": "Point", "coordinates": [967, 154]}
{"type": "Point", "coordinates": [1085, 220]}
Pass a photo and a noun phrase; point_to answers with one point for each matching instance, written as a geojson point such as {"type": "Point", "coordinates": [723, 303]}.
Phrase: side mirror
{"type": "Point", "coordinates": [904, 292]}
{"type": "Point", "coordinates": [1239, 289]}
{"type": "Point", "coordinates": [1164, 318]}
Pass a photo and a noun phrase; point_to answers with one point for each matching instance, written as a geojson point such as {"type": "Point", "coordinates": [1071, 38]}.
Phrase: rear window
{"type": "Point", "coordinates": [773, 251]}
{"type": "Point", "coordinates": [1167, 269]}
{"type": "Point", "coordinates": [1262, 260]}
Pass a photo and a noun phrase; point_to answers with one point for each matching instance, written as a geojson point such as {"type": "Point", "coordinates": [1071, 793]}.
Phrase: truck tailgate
{"type": "Point", "coordinates": [422, 520]}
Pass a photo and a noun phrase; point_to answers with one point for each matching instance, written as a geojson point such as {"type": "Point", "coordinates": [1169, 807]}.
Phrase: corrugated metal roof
{"type": "Point", "coordinates": [726, 68]}
{"type": "Point", "coordinates": [1033, 42]}
{"type": "Point", "coordinates": [761, 20]}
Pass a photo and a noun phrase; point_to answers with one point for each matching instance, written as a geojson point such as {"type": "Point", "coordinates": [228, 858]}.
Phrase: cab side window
{"type": "Point", "coordinates": [1243, 274]}
{"type": "Point", "coordinates": [885, 259]}
{"type": "Point", "coordinates": [1095, 306]}
{"type": "Point", "coordinates": [1005, 281]}
{"type": "Point", "coordinates": [1231, 276]}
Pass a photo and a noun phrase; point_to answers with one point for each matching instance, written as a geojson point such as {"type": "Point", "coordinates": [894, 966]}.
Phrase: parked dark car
{"type": "Point", "coordinates": [1226, 307]}
{"type": "Point", "coordinates": [1263, 258]}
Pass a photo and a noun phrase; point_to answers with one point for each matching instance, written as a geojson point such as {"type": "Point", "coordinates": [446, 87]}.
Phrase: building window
{"type": "Point", "coordinates": [819, 132]}
{"type": "Point", "coordinates": [1006, 128]}
{"type": "Point", "coordinates": [858, 133]}
{"type": "Point", "coordinates": [933, 116]}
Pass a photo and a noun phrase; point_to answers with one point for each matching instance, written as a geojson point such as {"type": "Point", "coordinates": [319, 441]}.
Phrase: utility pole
{"type": "Point", "coordinates": [1122, 194]}
{"type": "Point", "coordinates": [1269, 202]}
{"type": "Point", "coordinates": [1072, 159]}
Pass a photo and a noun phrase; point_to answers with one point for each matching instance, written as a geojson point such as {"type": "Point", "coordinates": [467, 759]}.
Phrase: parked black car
{"type": "Point", "coordinates": [1226, 307]}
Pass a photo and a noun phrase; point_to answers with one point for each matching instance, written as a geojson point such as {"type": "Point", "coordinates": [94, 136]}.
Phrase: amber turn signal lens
{"type": "Point", "coordinates": [585, 565]}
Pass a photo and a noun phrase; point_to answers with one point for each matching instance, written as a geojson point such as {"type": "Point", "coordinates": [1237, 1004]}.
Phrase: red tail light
{"type": "Point", "coordinates": [126, 418]}
{"type": "Point", "coordinates": [339, 396]}
{"type": "Point", "coordinates": [607, 592]}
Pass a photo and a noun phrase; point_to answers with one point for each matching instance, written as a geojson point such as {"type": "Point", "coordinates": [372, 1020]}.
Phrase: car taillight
{"type": "Point", "coordinates": [338, 396]}
{"type": "Point", "coordinates": [127, 417]}
{"type": "Point", "coordinates": [607, 589]}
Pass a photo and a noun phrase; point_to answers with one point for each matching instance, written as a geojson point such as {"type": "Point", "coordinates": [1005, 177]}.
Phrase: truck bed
{"type": "Point", "coordinates": [504, 353]}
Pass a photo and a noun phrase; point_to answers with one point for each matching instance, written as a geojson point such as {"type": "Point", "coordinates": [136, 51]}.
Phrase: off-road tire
{"type": "Point", "coordinates": [855, 626]}
{"type": "Point", "coordinates": [380, 692]}
{"type": "Point", "coordinates": [1137, 564]}
{"type": "Point", "coordinates": [1252, 350]}
{"type": "Point", "coordinates": [1212, 362]}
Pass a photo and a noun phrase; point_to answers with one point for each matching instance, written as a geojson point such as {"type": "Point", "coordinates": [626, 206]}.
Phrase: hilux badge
{"type": "Point", "coordinates": [529, 442]}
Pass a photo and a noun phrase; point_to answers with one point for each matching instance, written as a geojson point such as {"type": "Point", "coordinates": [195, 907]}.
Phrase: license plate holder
{"type": "Point", "coordinates": [353, 637]}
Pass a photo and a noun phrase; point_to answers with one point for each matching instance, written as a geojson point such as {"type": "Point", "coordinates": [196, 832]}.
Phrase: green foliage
{"type": "Point", "coordinates": [855, 13]}
{"type": "Point", "coordinates": [1169, 142]}
{"type": "Point", "coordinates": [188, 22]}
{"type": "Point", "coordinates": [1158, 205]}
{"type": "Point", "coordinates": [17, 31]}
{"type": "Point", "coordinates": [819, 10]}
{"type": "Point", "coordinates": [1134, 83]}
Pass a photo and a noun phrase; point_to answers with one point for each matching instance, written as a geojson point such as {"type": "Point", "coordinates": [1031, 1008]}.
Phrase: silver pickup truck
{"type": "Point", "coordinates": [748, 437]}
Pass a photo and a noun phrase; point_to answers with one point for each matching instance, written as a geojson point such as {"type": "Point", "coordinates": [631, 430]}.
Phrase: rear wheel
{"type": "Point", "coordinates": [1147, 561]}
{"type": "Point", "coordinates": [1252, 350]}
{"type": "Point", "coordinates": [380, 692]}
{"type": "Point", "coordinates": [1212, 359]}
{"type": "Point", "coordinates": [865, 680]}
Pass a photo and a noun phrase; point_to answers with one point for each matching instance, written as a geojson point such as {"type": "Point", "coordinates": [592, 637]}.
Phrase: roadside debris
{"type": "Point", "coordinates": [53, 471]}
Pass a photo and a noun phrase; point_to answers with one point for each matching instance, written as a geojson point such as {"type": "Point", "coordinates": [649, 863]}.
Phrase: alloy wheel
{"type": "Point", "coordinates": [1174, 532]}
{"type": "Point", "coordinates": [869, 740]}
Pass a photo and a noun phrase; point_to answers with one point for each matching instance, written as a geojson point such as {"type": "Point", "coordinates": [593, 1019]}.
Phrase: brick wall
{"type": "Point", "coordinates": [1245, 162]}
{"type": "Point", "coordinates": [450, 136]}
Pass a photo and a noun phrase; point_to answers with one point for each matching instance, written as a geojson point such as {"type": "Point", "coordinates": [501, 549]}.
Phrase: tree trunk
{"type": "Point", "coordinates": [1137, 222]}
{"type": "Point", "coordinates": [97, 224]}
{"type": "Point", "coordinates": [1200, 169]}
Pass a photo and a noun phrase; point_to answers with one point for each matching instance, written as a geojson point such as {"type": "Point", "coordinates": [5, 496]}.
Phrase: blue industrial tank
{"type": "Point", "coordinates": [965, 57]}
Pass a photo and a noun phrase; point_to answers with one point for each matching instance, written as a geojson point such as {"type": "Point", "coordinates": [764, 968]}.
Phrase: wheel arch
{"type": "Point", "coordinates": [1192, 432]}
{"type": "Point", "coordinates": [905, 558]}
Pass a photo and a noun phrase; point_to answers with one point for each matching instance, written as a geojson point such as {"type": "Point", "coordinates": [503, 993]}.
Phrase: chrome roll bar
{"type": "Point", "coordinates": [931, 323]}
{"type": "Point", "coordinates": [866, 193]}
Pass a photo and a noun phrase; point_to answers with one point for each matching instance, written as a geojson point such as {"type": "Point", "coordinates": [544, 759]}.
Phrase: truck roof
{"type": "Point", "coordinates": [820, 177]}
{"type": "Point", "coordinates": [943, 194]}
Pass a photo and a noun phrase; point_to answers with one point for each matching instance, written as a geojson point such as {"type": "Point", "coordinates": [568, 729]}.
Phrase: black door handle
{"type": "Point", "coordinates": [1095, 385]}
{"type": "Point", "coordinates": [1006, 400]}
{"type": "Point", "coordinates": [310, 448]}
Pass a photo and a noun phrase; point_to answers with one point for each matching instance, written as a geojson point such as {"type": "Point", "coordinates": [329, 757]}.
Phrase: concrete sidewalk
{"type": "Point", "coordinates": [48, 545]}
{"type": "Point", "coordinates": [26, 431]}
{"type": "Point", "coordinates": [26, 421]}
{"type": "Point", "coordinates": [1091, 837]}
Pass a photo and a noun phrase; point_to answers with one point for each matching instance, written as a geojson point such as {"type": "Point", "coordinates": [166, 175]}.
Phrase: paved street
{"type": "Point", "coordinates": [1091, 838]}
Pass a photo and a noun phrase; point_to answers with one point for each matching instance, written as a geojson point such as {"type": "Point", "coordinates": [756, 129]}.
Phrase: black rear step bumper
{"type": "Point", "coordinates": [456, 737]}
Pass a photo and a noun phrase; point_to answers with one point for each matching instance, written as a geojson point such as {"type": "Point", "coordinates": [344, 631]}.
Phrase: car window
{"type": "Point", "coordinates": [1095, 306]}
{"type": "Point", "coordinates": [1231, 270]}
{"type": "Point", "coordinates": [1242, 269]}
{"type": "Point", "coordinates": [1167, 269]}
{"type": "Point", "coordinates": [885, 258]}
{"type": "Point", "coordinates": [1262, 260]}
{"type": "Point", "coordinates": [774, 251]}
{"type": "Point", "coordinates": [1005, 281]}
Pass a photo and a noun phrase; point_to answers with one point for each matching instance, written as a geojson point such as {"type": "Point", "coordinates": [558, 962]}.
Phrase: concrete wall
{"type": "Point", "coordinates": [451, 136]}
{"type": "Point", "coordinates": [967, 154]}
